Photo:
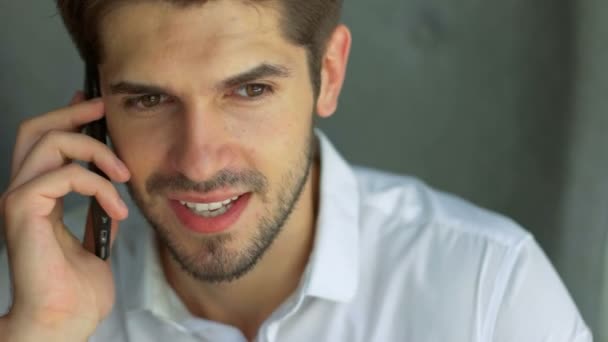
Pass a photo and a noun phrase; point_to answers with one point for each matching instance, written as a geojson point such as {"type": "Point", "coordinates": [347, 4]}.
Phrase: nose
{"type": "Point", "coordinates": [202, 147]}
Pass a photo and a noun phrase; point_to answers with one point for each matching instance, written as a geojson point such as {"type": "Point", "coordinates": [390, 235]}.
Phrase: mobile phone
{"type": "Point", "coordinates": [97, 129]}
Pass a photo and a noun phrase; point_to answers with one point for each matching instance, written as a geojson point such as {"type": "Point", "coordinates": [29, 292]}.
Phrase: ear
{"type": "Point", "coordinates": [333, 70]}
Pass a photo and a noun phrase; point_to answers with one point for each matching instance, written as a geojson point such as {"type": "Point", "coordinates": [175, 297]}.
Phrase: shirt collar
{"type": "Point", "coordinates": [332, 271]}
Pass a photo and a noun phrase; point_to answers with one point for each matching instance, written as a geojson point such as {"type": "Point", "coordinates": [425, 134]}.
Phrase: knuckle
{"type": "Point", "coordinates": [24, 131]}
{"type": "Point", "coordinates": [50, 136]}
{"type": "Point", "coordinates": [74, 169]}
{"type": "Point", "coordinates": [25, 126]}
{"type": "Point", "coordinates": [11, 200]}
{"type": "Point", "coordinates": [98, 143]}
{"type": "Point", "coordinates": [105, 147]}
{"type": "Point", "coordinates": [111, 186]}
{"type": "Point", "coordinates": [105, 186]}
{"type": "Point", "coordinates": [73, 173]}
{"type": "Point", "coordinates": [96, 147]}
{"type": "Point", "coordinates": [104, 183]}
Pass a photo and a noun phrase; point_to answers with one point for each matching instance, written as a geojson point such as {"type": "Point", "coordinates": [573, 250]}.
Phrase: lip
{"type": "Point", "coordinates": [208, 225]}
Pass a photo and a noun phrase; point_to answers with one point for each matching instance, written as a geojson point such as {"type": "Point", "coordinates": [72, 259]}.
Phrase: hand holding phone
{"type": "Point", "coordinates": [55, 277]}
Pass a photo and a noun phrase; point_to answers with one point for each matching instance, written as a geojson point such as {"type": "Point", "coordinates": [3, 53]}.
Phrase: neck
{"type": "Point", "coordinates": [247, 302]}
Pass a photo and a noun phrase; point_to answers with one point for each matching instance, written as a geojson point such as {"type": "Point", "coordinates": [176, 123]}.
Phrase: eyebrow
{"type": "Point", "coordinates": [263, 70]}
{"type": "Point", "coordinates": [133, 88]}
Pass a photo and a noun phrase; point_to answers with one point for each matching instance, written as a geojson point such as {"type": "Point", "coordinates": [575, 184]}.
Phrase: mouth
{"type": "Point", "coordinates": [209, 215]}
{"type": "Point", "coordinates": [211, 209]}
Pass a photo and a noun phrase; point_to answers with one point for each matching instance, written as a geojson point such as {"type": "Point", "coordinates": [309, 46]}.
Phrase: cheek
{"type": "Point", "coordinates": [281, 148]}
{"type": "Point", "coordinates": [282, 136]}
{"type": "Point", "coordinates": [287, 123]}
{"type": "Point", "coordinates": [139, 148]}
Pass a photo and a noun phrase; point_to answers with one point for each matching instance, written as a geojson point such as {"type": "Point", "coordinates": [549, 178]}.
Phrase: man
{"type": "Point", "coordinates": [252, 226]}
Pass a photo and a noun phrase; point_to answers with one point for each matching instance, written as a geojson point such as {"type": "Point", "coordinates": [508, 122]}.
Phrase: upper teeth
{"type": "Point", "coordinates": [208, 206]}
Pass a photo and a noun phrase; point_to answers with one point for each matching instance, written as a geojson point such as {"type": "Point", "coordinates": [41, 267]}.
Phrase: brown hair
{"type": "Point", "coordinates": [307, 23]}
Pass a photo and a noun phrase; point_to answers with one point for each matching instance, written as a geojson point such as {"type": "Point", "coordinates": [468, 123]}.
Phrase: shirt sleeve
{"type": "Point", "coordinates": [534, 304]}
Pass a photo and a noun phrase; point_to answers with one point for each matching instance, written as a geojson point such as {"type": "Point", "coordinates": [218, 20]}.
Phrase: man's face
{"type": "Point", "coordinates": [211, 110]}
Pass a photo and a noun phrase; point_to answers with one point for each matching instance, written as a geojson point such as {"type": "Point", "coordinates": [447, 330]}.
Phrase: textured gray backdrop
{"type": "Point", "coordinates": [499, 101]}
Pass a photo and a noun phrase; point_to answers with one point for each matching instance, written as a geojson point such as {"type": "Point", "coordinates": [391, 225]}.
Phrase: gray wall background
{"type": "Point", "coordinates": [499, 101]}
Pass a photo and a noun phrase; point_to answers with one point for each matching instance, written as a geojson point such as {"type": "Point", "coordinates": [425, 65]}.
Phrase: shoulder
{"type": "Point", "coordinates": [438, 242]}
{"type": "Point", "coordinates": [457, 259]}
{"type": "Point", "coordinates": [408, 204]}
{"type": "Point", "coordinates": [412, 227]}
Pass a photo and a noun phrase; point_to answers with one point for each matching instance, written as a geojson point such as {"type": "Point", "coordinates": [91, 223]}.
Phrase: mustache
{"type": "Point", "coordinates": [252, 180]}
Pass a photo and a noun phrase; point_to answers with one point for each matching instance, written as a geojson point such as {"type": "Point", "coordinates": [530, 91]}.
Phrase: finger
{"type": "Point", "coordinates": [38, 197]}
{"type": "Point", "coordinates": [65, 119]}
{"type": "Point", "coordinates": [88, 242]}
{"type": "Point", "coordinates": [57, 147]}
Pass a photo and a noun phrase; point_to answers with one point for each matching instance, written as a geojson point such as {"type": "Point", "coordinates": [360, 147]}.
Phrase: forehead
{"type": "Point", "coordinates": [219, 35]}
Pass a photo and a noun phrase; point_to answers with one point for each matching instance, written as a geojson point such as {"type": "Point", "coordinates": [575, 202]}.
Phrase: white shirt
{"type": "Point", "coordinates": [393, 260]}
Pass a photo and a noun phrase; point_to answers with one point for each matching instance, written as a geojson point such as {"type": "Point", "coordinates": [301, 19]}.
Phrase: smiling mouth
{"type": "Point", "coordinates": [211, 209]}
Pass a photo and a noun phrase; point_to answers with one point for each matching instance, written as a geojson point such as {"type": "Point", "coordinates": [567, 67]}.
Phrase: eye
{"type": "Point", "coordinates": [152, 100]}
{"type": "Point", "coordinates": [148, 101]}
{"type": "Point", "coordinates": [252, 90]}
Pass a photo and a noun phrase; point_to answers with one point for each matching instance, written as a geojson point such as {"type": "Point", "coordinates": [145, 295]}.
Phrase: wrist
{"type": "Point", "coordinates": [12, 330]}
